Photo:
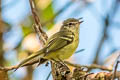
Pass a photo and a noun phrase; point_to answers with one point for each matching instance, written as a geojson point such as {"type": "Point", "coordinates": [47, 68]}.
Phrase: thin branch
{"type": "Point", "coordinates": [16, 66]}
{"type": "Point", "coordinates": [81, 50]}
{"type": "Point", "coordinates": [100, 44]}
{"type": "Point", "coordinates": [37, 26]}
{"type": "Point", "coordinates": [8, 68]}
{"type": "Point", "coordinates": [48, 76]}
{"type": "Point", "coordinates": [92, 66]}
{"type": "Point", "coordinates": [115, 71]}
{"type": "Point", "coordinates": [108, 21]}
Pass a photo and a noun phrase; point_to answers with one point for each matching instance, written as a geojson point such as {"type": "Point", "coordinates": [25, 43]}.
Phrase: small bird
{"type": "Point", "coordinates": [60, 45]}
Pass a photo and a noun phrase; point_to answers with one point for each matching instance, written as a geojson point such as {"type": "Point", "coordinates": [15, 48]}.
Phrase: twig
{"type": "Point", "coordinates": [114, 73]}
{"type": "Point", "coordinates": [81, 50]}
{"type": "Point", "coordinates": [103, 37]}
{"type": "Point", "coordinates": [15, 67]}
{"type": "Point", "coordinates": [37, 26]}
{"type": "Point", "coordinates": [108, 22]}
{"type": "Point", "coordinates": [92, 66]}
{"type": "Point", "coordinates": [8, 68]}
{"type": "Point", "coordinates": [48, 76]}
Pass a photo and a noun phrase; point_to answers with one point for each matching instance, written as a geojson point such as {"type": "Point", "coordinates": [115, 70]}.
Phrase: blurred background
{"type": "Point", "coordinates": [99, 33]}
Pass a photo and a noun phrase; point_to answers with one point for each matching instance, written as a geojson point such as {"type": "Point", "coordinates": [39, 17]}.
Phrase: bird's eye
{"type": "Point", "coordinates": [70, 23]}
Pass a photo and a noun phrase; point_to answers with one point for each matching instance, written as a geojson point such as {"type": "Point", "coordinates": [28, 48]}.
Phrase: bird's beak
{"type": "Point", "coordinates": [80, 20]}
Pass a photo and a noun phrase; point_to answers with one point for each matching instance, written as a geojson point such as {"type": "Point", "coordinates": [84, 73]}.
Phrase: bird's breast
{"type": "Point", "coordinates": [69, 50]}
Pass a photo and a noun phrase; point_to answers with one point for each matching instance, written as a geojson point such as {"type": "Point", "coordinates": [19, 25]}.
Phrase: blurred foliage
{"type": "Point", "coordinates": [47, 14]}
{"type": "Point", "coordinates": [26, 30]}
{"type": "Point", "coordinates": [45, 11]}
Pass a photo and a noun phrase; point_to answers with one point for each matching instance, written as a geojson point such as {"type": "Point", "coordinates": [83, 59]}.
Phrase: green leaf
{"type": "Point", "coordinates": [48, 13]}
{"type": "Point", "coordinates": [26, 30]}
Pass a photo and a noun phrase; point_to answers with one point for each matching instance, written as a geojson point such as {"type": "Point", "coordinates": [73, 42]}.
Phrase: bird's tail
{"type": "Point", "coordinates": [34, 55]}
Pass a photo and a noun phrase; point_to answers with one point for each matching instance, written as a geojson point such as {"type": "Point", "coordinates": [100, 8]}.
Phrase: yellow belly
{"type": "Point", "coordinates": [63, 53]}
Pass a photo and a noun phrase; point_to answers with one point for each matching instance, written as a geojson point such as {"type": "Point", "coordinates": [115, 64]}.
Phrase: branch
{"type": "Point", "coordinates": [37, 26]}
{"type": "Point", "coordinates": [8, 68]}
{"type": "Point", "coordinates": [115, 71]}
{"type": "Point", "coordinates": [16, 66]}
{"type": "Point", "coordinates": [83, 75]}
{"type": "Point", "coordinates": [66, 73]}
{"type": "Point", "coordinates": [92, 66]}
{"type": "Point", "coordinates": [100, 44]}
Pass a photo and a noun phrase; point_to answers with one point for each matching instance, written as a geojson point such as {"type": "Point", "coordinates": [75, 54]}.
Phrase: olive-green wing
{"type": "Point", "coordinates": [59, 34]}
{"type": "Point", "coordinates": [58, 41]}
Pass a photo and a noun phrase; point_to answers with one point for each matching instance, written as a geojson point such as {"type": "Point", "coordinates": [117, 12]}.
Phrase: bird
{"type": "Point", "coordinates": [61, 45]}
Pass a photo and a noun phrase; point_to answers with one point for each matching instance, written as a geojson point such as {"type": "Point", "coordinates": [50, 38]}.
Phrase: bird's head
{"type": "Point", "coordinates": [71, 24]}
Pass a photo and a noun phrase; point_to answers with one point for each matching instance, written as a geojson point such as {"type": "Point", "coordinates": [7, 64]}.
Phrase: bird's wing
{"type": "Point", "coordinates": [59, 41]}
